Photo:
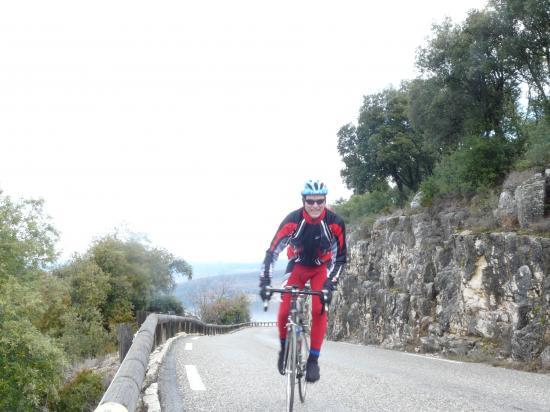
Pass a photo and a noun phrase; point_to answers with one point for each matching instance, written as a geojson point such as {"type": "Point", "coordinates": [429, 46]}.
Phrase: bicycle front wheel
{"type": "Point", "coordinates": [303, 353]}
{"type": "Point", "coordinates": [290, 367]}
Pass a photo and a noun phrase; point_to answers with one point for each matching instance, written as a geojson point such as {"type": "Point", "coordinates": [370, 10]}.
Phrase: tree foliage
{"type": "Point", "coordinates": [465, 113]}
{"type": "Point", "coordinates": [480, 164]}
{"type": "Point", "coordinates": [537, 145]}
{"type": "Point", "coordinates": [165, 304]}
{"type": "Point", "coordinates": [49, 317]}
{"type": "Point", "coordinates": [470, 61]}
{"type": "Point", "coordinates": [31, 362]}
{"type": "Point", "coordinates": [221, 305]}
{"type": "Point", "coordinates": [383, 147]}
{"type": "Point", "coordinates": [526, 44]}
{"type": "Point", "coordinates": [361, 205]}
{"type": "Point", "coordinates": [27, 237]}
{"type": "Point", "coordinates": [81, 394]}
{"type": "Point", "coordinates": [136, 273]}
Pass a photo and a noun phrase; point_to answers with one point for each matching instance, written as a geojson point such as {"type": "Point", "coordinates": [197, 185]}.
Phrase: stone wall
{"type": "Point", "coordinates": [423, 283]}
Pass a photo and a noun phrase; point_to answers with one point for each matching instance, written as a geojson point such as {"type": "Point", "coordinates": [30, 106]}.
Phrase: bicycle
{"type": "Point", "coordinates": [297, 340]}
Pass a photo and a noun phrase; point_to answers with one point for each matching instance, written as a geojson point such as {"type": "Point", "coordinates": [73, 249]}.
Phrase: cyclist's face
{"type": "Point", "coordinates": [314, 205]}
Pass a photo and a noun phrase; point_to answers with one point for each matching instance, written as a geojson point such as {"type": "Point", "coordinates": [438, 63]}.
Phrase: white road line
{"type": "Point", "coordinates": [195, 381]}
{"type": "Point", "coordinates": [188, 346]}
{"type": "Point", "coordinates": [433, 358]}
{"type": "Point", "coordinates": [195, 338]}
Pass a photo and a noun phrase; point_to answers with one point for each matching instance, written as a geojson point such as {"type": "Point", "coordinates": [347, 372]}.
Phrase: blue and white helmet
{"type": "Point", "coordinates": [314, 187]}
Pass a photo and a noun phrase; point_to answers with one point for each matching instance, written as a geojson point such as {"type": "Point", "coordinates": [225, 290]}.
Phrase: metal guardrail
{"type": "Point", "coordinates": [122, 395]}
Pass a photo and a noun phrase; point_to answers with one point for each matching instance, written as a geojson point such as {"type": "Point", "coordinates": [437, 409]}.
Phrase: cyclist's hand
{"type": "Point", "coordinates": [328, 288]}
{"type": "Point", "coordinates": [265, 281]}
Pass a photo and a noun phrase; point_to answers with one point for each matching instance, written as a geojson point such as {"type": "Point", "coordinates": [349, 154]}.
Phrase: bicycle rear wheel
{"type": "Point", "coordinates": [290, 367]}
{"type": "Point", "coordinates": [303, 353]}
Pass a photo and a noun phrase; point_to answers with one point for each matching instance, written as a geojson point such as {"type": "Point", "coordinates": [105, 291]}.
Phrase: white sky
{"type": "Point", "coordinates": [194, 122]}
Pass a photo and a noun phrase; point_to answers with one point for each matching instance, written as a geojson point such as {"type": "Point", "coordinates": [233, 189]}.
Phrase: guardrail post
{"type": "Point", "coordinates": [124, 336]}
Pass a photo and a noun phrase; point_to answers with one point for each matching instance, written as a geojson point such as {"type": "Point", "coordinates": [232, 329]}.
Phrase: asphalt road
{"type": "Point", "coordinates": [237, 372]}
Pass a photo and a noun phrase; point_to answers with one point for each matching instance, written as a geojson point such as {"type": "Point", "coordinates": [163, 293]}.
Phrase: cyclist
{"type": "Point", "coordinates": [316, 240]}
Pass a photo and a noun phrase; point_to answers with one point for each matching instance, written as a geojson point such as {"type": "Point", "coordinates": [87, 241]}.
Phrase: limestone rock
{"type": "Point", "coordinates": [417, 201]}
{"type": "Point", "coordinates": [530, 198]}
{"type": "Point", "coordinates": [545, 358]}
{"type": "Point", "coordinates": [418, 281]}
{"type": "Point", "coordinates": [506, 213]}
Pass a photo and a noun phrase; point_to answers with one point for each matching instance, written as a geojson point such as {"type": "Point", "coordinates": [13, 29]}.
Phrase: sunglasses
{"type": "Point", "coordinates": [312, 202]}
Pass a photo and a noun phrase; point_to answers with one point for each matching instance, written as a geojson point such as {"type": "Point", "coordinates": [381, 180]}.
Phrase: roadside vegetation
{"type": "Point", "coordinates": [219, 303]}
{"type": "Point", "coordinates": [54, 315]}
{"type": "Point", "coordinates": [479, 110]}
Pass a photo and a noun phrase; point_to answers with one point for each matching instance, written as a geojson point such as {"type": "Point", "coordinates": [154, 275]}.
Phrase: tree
{"type": "Point", "coordinates": [136, 274]}
{"type": "Point", "coordinates": [165, 304]}
{"type": "Point", "coordinates": [527, 45]}
{"type": "Point", "coordinates": [383, 147]}
{"type": "Point", "coordinates": [31, 362]}
{"type": "Point", "coordinates": [470, 61]}
{"type": "Point", "coordinates": [219, 304]}
{"type": "Point", "coordinates": [27, 238]}
{"type": "Point", "coordinates": [438, 113]}
{"type": "Point", "coordinates": [81, 330]}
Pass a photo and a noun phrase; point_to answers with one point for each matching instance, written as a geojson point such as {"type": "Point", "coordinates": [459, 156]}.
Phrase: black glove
{"type": "Point", "coordinates": [265, 281]}
{"type": "Point", "coordinates": [328, 288]}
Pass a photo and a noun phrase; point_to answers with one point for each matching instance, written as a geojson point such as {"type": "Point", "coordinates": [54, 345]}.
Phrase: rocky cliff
{"type": "Point", "coordinates": [422, 281]}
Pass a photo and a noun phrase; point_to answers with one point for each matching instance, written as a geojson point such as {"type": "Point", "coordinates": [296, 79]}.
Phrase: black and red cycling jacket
{"type": "Point", "coordinates": [311, 242]}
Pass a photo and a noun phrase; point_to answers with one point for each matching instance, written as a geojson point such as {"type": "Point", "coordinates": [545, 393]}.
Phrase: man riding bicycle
{"type": "Point", "coordinates": [316, 240]}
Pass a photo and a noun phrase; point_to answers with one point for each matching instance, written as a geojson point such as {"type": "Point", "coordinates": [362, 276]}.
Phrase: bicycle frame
{"type": "Point", "coordinates": [297, 346]}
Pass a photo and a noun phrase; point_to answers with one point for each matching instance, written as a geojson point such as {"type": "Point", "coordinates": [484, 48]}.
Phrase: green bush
{"type": "Point", "coordinates": [84, 335]}
{"type": "Point", "coordinates": [481, 163]}
{"type": "Point", "coordinates": [537, 153]}
{"type": "Point", "coordinates": [82, 394]}
{"type": "Point", "coordinates": [226, 310]}
{"type": "Point", "coordinates": [31, 365]}
{"type": "Point", "coordinates": [166, 303]}
{"type": "Point", "coordinates": [358, 207]}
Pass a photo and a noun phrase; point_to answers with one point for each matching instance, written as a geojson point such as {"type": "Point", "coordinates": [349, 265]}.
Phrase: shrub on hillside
{"type": "Point", "coordinates": [481, 163]}
{"type": "Point", "coordinates": [82, 394]}
{"type": "Point", "coordinates": [31, 365]}
{"type": "Point", "coordinates": [537, 154]}
{"type": "Point", "coordinates": [84, 335]}
{"type": "Point", "coordinates": [358, 207]}
{"type": "Point", "coordinates": [226, 310]}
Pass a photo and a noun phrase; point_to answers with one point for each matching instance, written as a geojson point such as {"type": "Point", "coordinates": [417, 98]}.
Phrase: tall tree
{"type": "Point", "coordinates": [383, 148]}
{"type": "Point", "coordinates": [527, 45]}
{"type": "Point", "coordinates": [471, 62]}
{"type": "Point", "coordinates": [27, 237]}
{"type": "Point", "coordinates": [438, 113]}
{"type": "Point", "coordinates": [136, 272]}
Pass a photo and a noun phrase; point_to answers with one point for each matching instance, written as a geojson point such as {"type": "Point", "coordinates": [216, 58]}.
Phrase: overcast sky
{"type": "Point", "coordinates": [193, 122]}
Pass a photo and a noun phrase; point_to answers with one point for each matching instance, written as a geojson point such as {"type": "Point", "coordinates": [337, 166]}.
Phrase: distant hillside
{"type": "Point", "coordinates": [209, 269]}
{"type": "Point", "coordinates": [187, 291]}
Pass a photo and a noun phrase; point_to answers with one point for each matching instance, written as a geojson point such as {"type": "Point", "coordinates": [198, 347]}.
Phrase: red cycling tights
{"type": "Point", "coordinates": [299, 276]}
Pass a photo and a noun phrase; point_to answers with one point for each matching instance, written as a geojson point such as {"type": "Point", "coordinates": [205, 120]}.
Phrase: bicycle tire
{"type": "Point", "coordinates": [303, 353]}
{"type": "Point", "coordinates": [290, 368]}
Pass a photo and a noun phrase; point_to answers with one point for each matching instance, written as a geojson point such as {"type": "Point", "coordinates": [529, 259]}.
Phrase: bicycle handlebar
{"type": "Point", "coordinates": [297, 292]}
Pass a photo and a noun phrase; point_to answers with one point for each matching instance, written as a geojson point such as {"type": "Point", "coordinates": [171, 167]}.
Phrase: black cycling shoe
{"type": "Point", "coordinates": [280, 362]}
{"type": "Point", "coordinates": [312, 371]}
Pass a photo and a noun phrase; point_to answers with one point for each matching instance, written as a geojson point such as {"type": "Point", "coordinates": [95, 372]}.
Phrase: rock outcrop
{"type": "Point", "coordinates": [421, 282]}
{"type": "Point", "coordinates": [525, 204]}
